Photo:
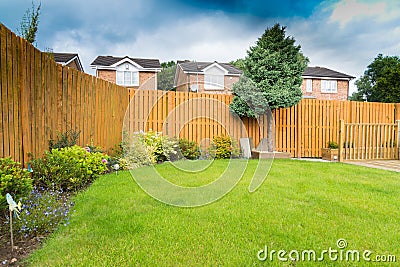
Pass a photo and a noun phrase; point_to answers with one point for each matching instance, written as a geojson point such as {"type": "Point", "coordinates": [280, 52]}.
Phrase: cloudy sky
{"type": "Point", "coordinates": [344, 35]}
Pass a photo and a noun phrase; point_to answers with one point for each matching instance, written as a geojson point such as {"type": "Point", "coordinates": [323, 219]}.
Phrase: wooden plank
{"type": "Point", "coordinates": [7, 105]}
{"type": "Point", "coordinates": [341, 140]}
{"type": "Point", "coordinates": [2, 89]}
{"type": "Point", "coordinates": [17, 99]}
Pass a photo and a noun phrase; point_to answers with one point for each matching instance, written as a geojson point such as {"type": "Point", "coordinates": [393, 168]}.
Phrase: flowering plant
{"type": "Point", "coordinates": [43, 212]}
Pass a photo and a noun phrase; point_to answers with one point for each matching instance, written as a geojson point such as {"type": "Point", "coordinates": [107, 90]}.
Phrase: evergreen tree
{"type": "Point", "coordinates": [275, 64]}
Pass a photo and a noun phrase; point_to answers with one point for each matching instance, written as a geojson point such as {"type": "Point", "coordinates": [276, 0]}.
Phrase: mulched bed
{"type": "Point", "coordinates": [22, 248]}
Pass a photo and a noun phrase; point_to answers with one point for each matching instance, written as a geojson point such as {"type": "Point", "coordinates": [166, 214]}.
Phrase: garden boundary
{"type": "Point", "coordinates": [40, 98]}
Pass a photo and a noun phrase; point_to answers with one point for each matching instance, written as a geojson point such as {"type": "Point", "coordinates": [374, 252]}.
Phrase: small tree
{"type": "Point", "coordinates": [275, 64]}
{"type": "Point", "coordinates": [29, 24]}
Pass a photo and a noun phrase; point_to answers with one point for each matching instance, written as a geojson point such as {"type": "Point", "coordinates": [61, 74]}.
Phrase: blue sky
{"type": "Point", "coordinates": [344, 35]}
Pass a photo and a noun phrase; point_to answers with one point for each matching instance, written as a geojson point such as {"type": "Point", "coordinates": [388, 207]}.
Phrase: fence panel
{"type": "Point", "coordinates": [365, 141]}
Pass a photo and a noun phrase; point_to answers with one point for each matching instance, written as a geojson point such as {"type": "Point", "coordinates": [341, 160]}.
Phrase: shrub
{"type": "Point", "coordinates": [333, 145]}
{"type": "Point", "coordinates": [223, 147]}
{"type": "Point", "coordinates": [162, 146]}
{"type": "Point", "coordinates": [149, 148]}
{"type": "Point", "coordinates": [189, 149]}
{"type": "Point", "coordinates": [67, 139]}
{"type": "Point", "coordinates": [43, 212]}
{"type": "Point", "coordinates": [13, 180]}
{"type": "Point", "coordinates": [69, 168]}
{"type": "Point", "coordinates": [137, 154]}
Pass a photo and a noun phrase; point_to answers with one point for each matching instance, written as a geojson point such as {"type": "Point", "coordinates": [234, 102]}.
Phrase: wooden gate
{"type": "Point", "coordinates": [365, 141]}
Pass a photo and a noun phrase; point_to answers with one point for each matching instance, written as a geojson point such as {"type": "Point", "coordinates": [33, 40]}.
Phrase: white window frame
{"type": "Point", "coordinates": [329, 86]}
{"type": "Point", "coordinates": [214, 82]}
{"type": "Point", "coordinates": [309, 85]}
{"type": "Point", "coordinates": [127, 78]}
{"type": "Point", "coordinates": [214, 77]}
{"type": "Point", "coordinates": [127, 74]}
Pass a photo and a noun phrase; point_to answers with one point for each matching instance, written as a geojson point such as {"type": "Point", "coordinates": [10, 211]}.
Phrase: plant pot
{"type": "Point", "coordinates": [331, 154]}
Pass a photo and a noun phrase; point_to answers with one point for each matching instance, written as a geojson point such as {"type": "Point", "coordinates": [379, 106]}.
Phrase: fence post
{"type": "Point", "coordinates": [341, 140]}
{"type": "Point", "coordinates": [298, 130]}
{"type": "Point", "coordinates": [398, 139]}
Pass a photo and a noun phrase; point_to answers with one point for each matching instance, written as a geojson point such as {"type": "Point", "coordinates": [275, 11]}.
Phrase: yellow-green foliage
{"type": "Point", "coordinates": [69, 168]}
{"type": "Point", "coordinates": [13, 180]}
{"type": "Point", "coordinates": [224, 147]}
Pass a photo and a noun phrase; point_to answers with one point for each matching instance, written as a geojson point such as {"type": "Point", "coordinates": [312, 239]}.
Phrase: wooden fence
{"type": "Point", "coordinates": [301, 130]}
{"type": "Point", "coordinates": [39, 99]}
{"type": "Point", "coordinates": [363, 141]}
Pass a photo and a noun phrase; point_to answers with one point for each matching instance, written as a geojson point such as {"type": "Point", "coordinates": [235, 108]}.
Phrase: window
{"type": "Point", "coordinates": [212, 81]}
{"type": "Point", "coordinates": [214, 78]}
{"type": "Point", "coordinates": [128, 78]}
{"type": "Point", "coordinates": [329, 86]}
{"type": "Point", "coordinates": [309, 85]}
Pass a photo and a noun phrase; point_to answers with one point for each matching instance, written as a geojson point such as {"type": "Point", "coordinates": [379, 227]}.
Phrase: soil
{"type": "Point", "coordinates": [22, 248]}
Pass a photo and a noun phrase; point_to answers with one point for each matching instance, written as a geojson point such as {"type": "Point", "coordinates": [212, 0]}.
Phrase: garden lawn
{"type": "Point", "coordinates": [300, 206]}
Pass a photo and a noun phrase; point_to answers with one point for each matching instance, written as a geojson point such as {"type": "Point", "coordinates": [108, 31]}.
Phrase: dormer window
{"type": "Point", "coordinates": [127, 75]}
{"type": "Point", "coordinates": [214, 78]}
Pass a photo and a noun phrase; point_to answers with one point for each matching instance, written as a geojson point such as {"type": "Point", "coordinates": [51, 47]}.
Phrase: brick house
{"type": "Point", "coordinates": [325, 84]}
{"type": "Point", "coordinates": [205, 77]}
{"type": "Point", "coordinates": [69, 60]}
{"type": "Point", "coordinates": [129, 72]}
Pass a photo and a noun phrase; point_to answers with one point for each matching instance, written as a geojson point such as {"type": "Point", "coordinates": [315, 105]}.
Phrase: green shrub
{"type": "Point", "coordinates": [67, 139]}
{"type": "Point", "coordinates": [136, 153]}
{"type": "Point", "coordinates": [223, 147]}
{"type": "Point", "coordinates": [189, 149]}
{"type": "Point", "coordinates": [13, 180]}
{"type": "Point", "coordinates": [162, 146]}
{"type": "Point", "coordinates": [149, 148]}
{"type": "Point", "coordinates": [333, 145]}
{"type": "Point", "coordinates": [69, 168]}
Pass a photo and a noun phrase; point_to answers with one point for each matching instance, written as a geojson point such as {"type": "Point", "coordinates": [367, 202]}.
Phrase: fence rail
{"type": "Point", "coordinates": [40, 98]}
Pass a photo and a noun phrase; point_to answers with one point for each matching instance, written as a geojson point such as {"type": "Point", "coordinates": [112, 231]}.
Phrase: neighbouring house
{"type": "Point", "coordinates": [69, 60]}
{"type": "Point", "coordinates": [205, 77]}
{"type": "Point", "coordinates": [325, 84]}
{"type": "Point", "coordinates": [129, 72]}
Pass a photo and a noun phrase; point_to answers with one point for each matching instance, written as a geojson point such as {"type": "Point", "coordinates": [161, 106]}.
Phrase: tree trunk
{"type": "Point", "coordinates": [270, 132]}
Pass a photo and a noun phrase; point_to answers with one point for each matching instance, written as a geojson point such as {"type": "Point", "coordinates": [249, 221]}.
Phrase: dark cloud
{"type": "Point", "coordinates": [346, 38]}
{"type": "Point", "coordinates": [257, 8]}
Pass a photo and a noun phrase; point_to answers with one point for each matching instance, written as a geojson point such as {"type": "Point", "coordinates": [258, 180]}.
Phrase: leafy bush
{"type": "Point", "coordinates": [13, 180]}
{"type": "Point", "coordinates": [162, 146]}
{"type": "Point", "coordinates": [69, 168]}
{"type": "Point", "coordinates": [67, 139]}
{"type": "Point", "coordinates": [223, 147]}
{"type": "Point", "coordinates": [43, 212]}
{"type": "Point", "coordinates": [137, 154]}
{"type": "Point", "coordinates": [189, 149]}
{"type": "Point", "coordinates": [333, 145]}
{"type": "Point", "coordinates": [149, 148]}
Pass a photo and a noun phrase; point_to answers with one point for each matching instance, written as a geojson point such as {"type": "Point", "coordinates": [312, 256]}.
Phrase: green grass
{"type": "Point", "coordinates": [301, 205]}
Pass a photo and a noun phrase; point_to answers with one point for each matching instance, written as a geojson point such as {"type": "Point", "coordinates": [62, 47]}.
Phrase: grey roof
{"type": "Point", "coordinates": [64, 58]}
{"type": "Point", "coordinates": [325, 72]}
{"type": "Point", "coordinates": [110, 60]}
{"type": "Point", "coordinates": [193, 66]}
